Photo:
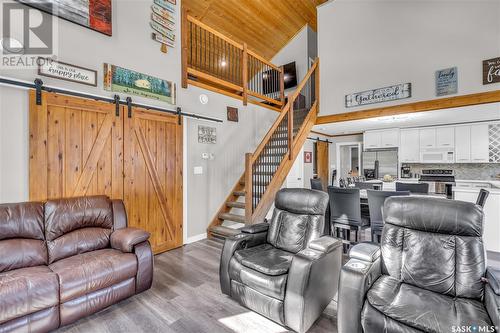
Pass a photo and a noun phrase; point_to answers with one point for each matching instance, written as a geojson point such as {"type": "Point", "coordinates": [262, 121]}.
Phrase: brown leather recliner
{"type": "Point", "coordinates": [66, 259]}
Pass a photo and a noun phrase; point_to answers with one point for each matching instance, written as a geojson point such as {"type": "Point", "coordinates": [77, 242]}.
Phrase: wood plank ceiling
{"type": "Point", "coordinates": [265, 25]}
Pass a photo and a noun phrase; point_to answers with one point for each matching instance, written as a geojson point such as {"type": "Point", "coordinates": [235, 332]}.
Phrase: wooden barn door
{"type": "Point", "coordinates": [153, 176]}
{"type": "Point", "coordinates": [75, 148]}
{"type": "Point", "coordinates": [322, 162]}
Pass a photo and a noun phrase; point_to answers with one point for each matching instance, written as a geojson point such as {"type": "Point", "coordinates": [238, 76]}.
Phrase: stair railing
{"type": "Point", "coordinates": [279, 146]}
{"type": "Point", "coordinates": [214, 61]}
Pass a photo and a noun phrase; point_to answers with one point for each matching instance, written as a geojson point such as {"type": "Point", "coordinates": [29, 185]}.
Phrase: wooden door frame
{"type": "Point", "coordinates": [338, 145]}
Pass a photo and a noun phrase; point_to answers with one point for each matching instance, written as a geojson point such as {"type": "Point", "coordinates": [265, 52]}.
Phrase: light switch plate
{"type": "Point", "coordinates": [198, 170]}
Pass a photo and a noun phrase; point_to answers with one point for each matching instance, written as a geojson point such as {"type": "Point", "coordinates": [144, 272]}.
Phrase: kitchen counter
{"type": "Point", "coordinates": [492, 182]}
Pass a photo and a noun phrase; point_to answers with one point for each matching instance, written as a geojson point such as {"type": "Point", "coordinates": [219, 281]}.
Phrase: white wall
{"type": "Point", "coordinates": [368, 44]}
{"type": "Point", "coordinates": [131, 47]}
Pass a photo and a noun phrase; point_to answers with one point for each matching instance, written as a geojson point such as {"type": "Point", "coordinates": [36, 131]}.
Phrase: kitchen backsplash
{"type": "Point", "coordinates": [465, 171]}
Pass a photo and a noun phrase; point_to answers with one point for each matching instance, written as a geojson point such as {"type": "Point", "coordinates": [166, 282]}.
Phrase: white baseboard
{"type": "Point", "coordinates": [196, 238]}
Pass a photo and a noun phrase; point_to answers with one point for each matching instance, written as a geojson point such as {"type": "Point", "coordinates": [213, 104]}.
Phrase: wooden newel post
{"type": "Point", "coordinates": [184, 46]}
{"type": "Point", "coordinates": [290, 128]}
{"type": "Point", "coordinates": [245, 74]}
{"type": "Point", "coordinates": [248, 188]}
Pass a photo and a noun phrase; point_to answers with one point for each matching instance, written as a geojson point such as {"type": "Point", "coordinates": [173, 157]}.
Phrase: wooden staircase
{"type": "Point", "coordinates": [267, 168]}
{"type": "Point", "coordinates": [215, 62]}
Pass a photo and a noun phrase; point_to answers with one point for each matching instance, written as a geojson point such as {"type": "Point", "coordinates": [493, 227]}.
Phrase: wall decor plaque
{"type": "Point", "coordinates": [446, 81]}
{"type": "Point", "coordinates": [127, 81]}
{"type": "Point", "coordinates": [308, 156]}
{"type": "Point", "coordinates": [207, 134]}
{"type": "Point", "coordinates": [491, 71]}
{"type": "Point", "coordinates": [232, 114]}
{"type": "Point", "coordinates": [67, 72]}
{"type": "Point", "coordinates": [93, 14]}
{"type": "Point", "coordinates": [386, 94]}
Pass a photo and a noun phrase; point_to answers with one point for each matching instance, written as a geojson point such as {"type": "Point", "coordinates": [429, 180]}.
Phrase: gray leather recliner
{"type": "Point", "coordinates": [285, 270]}
{"type": "Point", "coordinates": [427, 275]}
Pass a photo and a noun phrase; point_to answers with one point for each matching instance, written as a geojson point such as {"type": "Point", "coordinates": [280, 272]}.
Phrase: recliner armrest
{"type": "Point", "coordinates": [493, 277]}
{"type": "Point", "coordinates": [325, 244]}
{"type": "Point", "coordinates": [255, 228]}
{"type": "Point", "coordinates": [125, 239]}
{"type": "Point", "coordinates": [365, 252]}
{"type": "Point", "coordinates": [356, 278]}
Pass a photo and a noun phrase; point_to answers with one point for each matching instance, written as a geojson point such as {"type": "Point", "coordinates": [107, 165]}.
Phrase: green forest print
{"type": "Point", "coordinates": [126, 81]}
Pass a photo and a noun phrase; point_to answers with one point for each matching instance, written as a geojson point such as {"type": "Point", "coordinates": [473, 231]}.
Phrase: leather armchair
{"type": "Point", "coordinates": [427, 275]}
{"type": "Point", "coordinates": [285, 270]}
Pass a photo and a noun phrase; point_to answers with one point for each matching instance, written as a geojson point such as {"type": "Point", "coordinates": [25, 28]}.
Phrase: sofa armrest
{"type": "Point", "coordinates": [231, 245]}
{"type": "Point", "coordinates": [356, 278]}
{"type": "Point", "coordinates": [365, 252]}
{"type": "Point", "coordinates": [255, 228]}
{"type": "Point", "coordinates": [325, 244]}
{"type": "Point", "coordinates": [492, 295]}
{"type": "Point", "coordinates": [125, 239]}
{"type": "Point", "coordinates": [312, 282]}
{"type": "Point", "coordinates": [119, 214]}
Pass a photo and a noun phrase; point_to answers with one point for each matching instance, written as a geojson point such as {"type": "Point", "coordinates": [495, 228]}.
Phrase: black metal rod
{"type": "Point", "coordinates": [318, 139]}
{"type": "Point", "coordinates": [17, 83]}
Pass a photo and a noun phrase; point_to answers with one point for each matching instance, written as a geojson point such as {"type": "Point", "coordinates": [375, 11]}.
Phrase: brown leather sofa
{"type": "Point", "coordinates": [66, 259]}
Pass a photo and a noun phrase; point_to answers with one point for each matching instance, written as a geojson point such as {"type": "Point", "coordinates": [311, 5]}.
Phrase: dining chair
{"type": "Point", "coordinates": [345, 207]}
{"type": "Point", "coordinates": [481, 198]}
{"type": "Point", "coordinates": [317, 184]}
{"type": "Point", "coordinates": [422, 188]}
{"type": "Point", "coordinates": [365, 185]}
{"type": "Point", "coordinates": [376, 201]}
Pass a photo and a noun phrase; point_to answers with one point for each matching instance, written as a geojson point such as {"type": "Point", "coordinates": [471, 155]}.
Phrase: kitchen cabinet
{"type": "Point", "coordinates": [372, 139]}
{"type": "Point", "coordinates": [479, 143]}
{"type": "Point", "coordinates": [381, 139]}
{"type": "Point", "coordinates": [462, 144]}
{"type": "Point", "coordinates": [427, 138]}
{"type": "Point", "coordinates": [445, 137]}
{"type": "Point", "coordinates": [409, 151]}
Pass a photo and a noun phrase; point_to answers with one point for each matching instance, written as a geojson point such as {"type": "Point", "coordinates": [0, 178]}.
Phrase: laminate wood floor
{"type": "Point", "coordinates": [186, 298]}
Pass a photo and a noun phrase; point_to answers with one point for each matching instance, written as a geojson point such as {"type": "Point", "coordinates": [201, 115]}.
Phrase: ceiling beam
{"type": "Point", "coordinates": [423, 106]}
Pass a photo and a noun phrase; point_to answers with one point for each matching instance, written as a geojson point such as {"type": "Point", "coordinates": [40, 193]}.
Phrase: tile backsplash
{"type": "Point", "coordinates": [465, 171]}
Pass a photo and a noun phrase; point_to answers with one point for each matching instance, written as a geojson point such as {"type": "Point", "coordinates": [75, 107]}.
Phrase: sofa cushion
{"type": "Point", "coordinates": [265, 259]}
{"type": "Point", "coordinates": [270, 285]}
{"type": "Point", "coordinates": [77, 225]}
{"type": "Point", "coordinates": [423, 309]}
{"type": "Point", "coordinates": [27, 290]}
{"type": "Point", "coordinates": [91, 271]}
{"type": "Point", "coordinates": [22, 236]}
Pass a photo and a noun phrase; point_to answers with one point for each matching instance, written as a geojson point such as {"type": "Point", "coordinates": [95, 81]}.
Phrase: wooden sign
{"type": "Point", "coordinates": [447, 81]}
{"type": "Point", "coordinates": [232, 114]}
{"type": "Point", "coordinates": [67, 72]}
{"type": "Point", "coordinates": [491, 71]}
{"type": "Point", "coordinates": [386, 94]}
{"type": "Point", "coordinates": [207, 134]}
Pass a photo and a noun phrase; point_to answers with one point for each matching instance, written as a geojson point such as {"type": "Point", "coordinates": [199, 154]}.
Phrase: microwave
{"type": "Point", "coordinates": [437, 155]}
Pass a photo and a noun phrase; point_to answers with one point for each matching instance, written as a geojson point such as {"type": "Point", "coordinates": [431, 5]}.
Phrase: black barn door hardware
{"type": "Point", "coordinates": [129, 106]}
{"type": "Point", "coordinates": [117, 105]}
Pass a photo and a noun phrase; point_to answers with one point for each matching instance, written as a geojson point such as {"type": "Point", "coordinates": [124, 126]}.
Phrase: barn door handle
{"type": "Point", "coordinates": [38, 88]}
{"type": "Point", "coordinates": [117, 105]}
{"type": "Point", "coordinates": [179, 115]}
{"type": "Point", "coordinates": [129, 106]}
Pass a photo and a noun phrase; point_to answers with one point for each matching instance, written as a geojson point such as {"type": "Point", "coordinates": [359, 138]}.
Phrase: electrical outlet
{"type": "Point", "coordinates": [198, 170]}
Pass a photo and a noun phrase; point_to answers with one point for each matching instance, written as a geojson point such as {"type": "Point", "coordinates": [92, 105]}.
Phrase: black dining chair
{"type": "Point", "coordinates": [345, 207]}
{"type": "Point", "coordinates": [418, 188]}
{"type": "Point", "coordinates": [317, 184]}
{"type": "Point", "coordinates": [481, 198]}
{"type": "Point", "coordinates": [376, 201]}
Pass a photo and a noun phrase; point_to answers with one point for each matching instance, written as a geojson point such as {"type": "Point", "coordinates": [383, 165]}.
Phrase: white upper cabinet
{"type": "Point", "coordinates": [409, 150]}
{"type": "Point", "coordinates": [462, 144]}
{"type": "Point", "coordinates": [427, 138]}
{"type": "Point", "coordinates": [372, 139]}
{"type": "Point", "coordinates": [479, 143]}
{"type": "Point", "coordinates": [445, 137]}
{"type": "Point", "coordinates": [381, 139]}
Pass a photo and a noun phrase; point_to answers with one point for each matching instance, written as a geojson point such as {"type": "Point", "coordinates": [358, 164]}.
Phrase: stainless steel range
{"type": "Point", "coordinates": [440, 181]}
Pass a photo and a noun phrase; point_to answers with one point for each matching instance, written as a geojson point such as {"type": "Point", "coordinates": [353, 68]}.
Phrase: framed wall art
{"type": "Point", "coordinates": [127, 81]}
{"type": "Point", "coordinates": [491, 71]}
{"type": "Point", "coordinates": [207, 134]}
{"type": "Point", "coordinates": [232, 114]}
{"type": "Point", "coordinates": [63, 71]}
{"type": "Point", "coordinates": [92, 14]}
{"type": "Point", "coordinates": [446, 81]}
{"type": "Point", "coordinates": [386, 94]}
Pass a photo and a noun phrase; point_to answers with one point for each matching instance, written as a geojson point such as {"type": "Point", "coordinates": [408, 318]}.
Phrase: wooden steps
{"type": "Point", "coordinates": [232, 217]}
{"type": "Point", "coordinates": [236, 204]}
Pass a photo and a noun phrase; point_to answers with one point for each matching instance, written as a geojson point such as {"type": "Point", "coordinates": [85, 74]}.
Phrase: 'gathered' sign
{"type": "Point", "coordinates": [379, 95]}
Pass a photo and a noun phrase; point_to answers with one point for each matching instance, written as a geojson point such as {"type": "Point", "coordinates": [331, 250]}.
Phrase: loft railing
{"type": "Point", "coordinates": [262, 168]}
{"type": "Point", "coordinates": [213, 61]}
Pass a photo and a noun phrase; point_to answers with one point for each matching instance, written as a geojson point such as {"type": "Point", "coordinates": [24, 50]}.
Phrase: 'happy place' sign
{"type": "Point", "coordinates": [63, 71]}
